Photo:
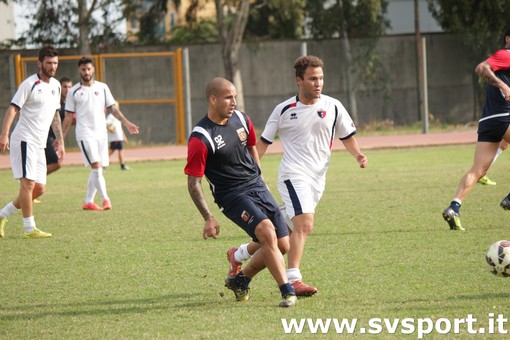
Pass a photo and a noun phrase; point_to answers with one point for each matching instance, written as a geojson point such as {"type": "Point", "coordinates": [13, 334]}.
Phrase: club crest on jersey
{"type": "Point", "coordinates": [245, 216]}
{"type": "Point", "coordinates": [321, 113]}
{"type": "Point", "coordinates": [52, 92]}
{"type": "Point", "coordinates": [241, 132]}
{"type": "Point", "coordinates": [96, 93]}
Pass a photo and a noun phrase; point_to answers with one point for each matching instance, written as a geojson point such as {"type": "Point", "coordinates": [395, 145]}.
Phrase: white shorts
{"type": "Point", "coordinates": [28, 161]}
{"type": "Point", "coordinates": [93, 151]}
{"type": "Point", "coordinates": [299, 196]}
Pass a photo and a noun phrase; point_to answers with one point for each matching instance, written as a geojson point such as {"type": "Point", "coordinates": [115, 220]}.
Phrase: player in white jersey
{"type": "Point", "coordinates": [306, 125]}
{"type": "Point", "coordinates": [37, 100]}
{"type": "Point", "coordinates": [88, 100]}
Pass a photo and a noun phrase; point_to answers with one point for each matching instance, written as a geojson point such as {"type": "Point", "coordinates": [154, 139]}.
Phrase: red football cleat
{"type": "Point", "coordinates": [107, 205]}
{"type": "Point", "coordinates": [303, 289]}
{"type": "Point", "coordinates": [235, 267]}
{"type": "Point", "coordinates": [91, 206]}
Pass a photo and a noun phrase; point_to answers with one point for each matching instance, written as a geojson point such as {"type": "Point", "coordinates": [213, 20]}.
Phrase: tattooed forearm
{"type": "Point", "coordinates": [486, 73]}
{"type": "Point", "coordinates": [197, 195]}
{"type": "Point", "coordinates": [56, 125]}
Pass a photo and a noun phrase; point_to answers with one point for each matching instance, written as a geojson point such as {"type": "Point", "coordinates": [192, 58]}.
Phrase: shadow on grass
{"type": "Point", "coordinates": [111, 307]}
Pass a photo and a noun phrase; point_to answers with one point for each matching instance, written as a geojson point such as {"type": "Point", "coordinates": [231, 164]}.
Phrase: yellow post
{"type": "Point", "coordinates": [179, 94]}
{"type": "Point", "coordinates": [19, 69]}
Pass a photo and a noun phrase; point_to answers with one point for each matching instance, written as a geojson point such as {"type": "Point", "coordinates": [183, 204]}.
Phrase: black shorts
{"type": "Point", "coordinates": [248, 210]}
{"type": "Point", "coordinates": [51, 155]}
{"type": "Point", "coordinates": [119, 145]}
{"type": "Point", "coordinates": [493, 129]}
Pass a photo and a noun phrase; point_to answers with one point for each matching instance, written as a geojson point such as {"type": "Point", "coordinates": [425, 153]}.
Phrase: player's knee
{"type": "Point", "coordinates": [266, 234]}
{"type": "Point", "coordinates": [38, 190]}
{"type": "Point", "coordinates": [284, 244]}
{"type": "Point", "coordinates": [304, 228]}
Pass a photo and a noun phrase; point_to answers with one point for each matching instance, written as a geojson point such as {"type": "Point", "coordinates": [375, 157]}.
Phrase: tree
{"type": "Point", "coordinates": [69, 24]}
{"type": "Point", "coordinates": [348, 19]}
{"type": "Point", "coordinates": [231, 29]}
{"type": "Point", "coordinates": [276, 19]}
{"type": "Point", "coordinates": [479, 25]}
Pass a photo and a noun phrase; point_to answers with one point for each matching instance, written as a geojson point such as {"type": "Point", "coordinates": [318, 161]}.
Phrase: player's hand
{"type": "Point", "coordinates": [4, 143]}
{"type": "Point", "coordinates": [362, 160]}
{"type": "Point", "coordinates": [58, 146]}
{"type": "Point", "coordinates": [211, 228]}
{"type": "Point", "coordinates": [132, 128]}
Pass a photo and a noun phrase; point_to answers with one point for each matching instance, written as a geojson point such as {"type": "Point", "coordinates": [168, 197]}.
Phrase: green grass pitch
{"type": "Point", "coordinates": [380, 249]}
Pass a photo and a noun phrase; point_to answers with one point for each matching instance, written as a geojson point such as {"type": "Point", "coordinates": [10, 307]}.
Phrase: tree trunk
{"type": "Point", "coordinates": [346, 51]}
{"type": "Point", "coordinates": [231, 40]}
{"type": "Point", "coordinates": [83, 26]}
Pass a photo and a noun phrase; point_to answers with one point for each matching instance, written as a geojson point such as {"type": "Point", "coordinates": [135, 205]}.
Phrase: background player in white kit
{"type": "Point", "coordinates": [306, 125]}
{"type": "Point", "coordinates": [38, 101]}
{"type": "Point", "coordinates": [89, 99]}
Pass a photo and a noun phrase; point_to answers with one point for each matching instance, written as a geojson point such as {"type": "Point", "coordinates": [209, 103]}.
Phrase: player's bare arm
{"type": "Point", "coordinates": [12, 111]}
{"type": "Point", "coordinates": [486, 73]}
{"type": "Point", "coordinates": [66, 124]}
{"type": "Point", "coordinates": [58, 144]}
{"type": "Point", "coordinates": [211, 227]}
{"type": "Point", "coordinates": [261, 148]}
{"type": "Point", "coordinates": [132, 128]}
{"type": "Point", "coordinates": [351, 144]}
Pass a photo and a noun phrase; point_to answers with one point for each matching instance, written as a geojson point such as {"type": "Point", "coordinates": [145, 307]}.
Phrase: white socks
{"type": "Point", "coordinates": [96, 183]}
{"type": "Point", "coordinates": [241, 253]}
{"type": "Point", "coordinates": [8, 210]}
{"type": "Point", "coordinates": [29, 224]}
{"type": "Point", "coordinates": [294, 274]}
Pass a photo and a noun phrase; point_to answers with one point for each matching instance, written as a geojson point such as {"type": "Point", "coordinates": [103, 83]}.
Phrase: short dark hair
{"type": "Point", "coordinates": [85, 60]}
{"type": "Point", "coordinates": [65, 80]}
{"type": "Point", "coordinates": [302, 63]}
{"type": "Point", "coordinates": [47, 51]}
{"type": "Point", "coordinates": [506, 33]}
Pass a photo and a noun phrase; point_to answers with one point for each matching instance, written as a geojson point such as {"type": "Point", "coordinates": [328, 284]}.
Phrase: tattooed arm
{"type": "Point", "coordinates": [132, 128]}
{"type": "Point", "coordinates": [486, 73]}
{"type": "Point", "coordinates": [211, 226]}
{"type": "Point", "coordinates": [58, 144]}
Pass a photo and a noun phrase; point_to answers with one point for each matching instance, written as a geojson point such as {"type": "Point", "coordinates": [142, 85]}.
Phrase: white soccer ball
{"type": "Point", "coordinates": [498, 258]}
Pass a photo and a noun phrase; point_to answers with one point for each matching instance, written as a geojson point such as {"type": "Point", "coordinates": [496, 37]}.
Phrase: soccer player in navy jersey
{"type": "Point", "coordinates": [493, 127]}
{"type": "Point", "coordinates": [222, 147]}
{"type": "Point", "coordinates": [306, 125]}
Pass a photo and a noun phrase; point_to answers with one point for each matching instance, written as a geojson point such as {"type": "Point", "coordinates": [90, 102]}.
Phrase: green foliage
{"type": "Point", "coordinates": [56, 23]}
{"type": "Point", "coordinates": [276, 19]}
{"type": "Point", "coordinates": [479, 25]}
{"type": "Point", "coordinates": [380, 248]}
{"type": "Point", "coordinates": [203, 31]}
{"type": "Point", "coordinates": [358, 19]}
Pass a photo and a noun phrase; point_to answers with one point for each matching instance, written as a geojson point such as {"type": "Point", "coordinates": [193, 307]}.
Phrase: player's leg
{"type": "Point", "coordinates": [270, 256]}
{"type": "Point", "coordinates": [485, 180]}
{"type": "Point", "coordinates": [90, 154]}
{"type": "Point", "coordinates": [300, 200]}
{"type": "Point", "coordinates": [505, 203]}
{"type": "Point", "coordinates": [484, 154]}
{"type": "Point", "coordinates": [33, 180]}
{"type": "Point", "coordinates": [260, 208]}
{"type": "Point", "coordinates": [52, 163]}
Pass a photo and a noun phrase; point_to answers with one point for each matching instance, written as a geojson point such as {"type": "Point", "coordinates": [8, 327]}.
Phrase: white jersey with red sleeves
{"type": "Point", "coordinates": [90, 103]}
{"type": "Point", "coordinates": [307, 133]}
{"type": "Point", "coordinates": [38, 101]}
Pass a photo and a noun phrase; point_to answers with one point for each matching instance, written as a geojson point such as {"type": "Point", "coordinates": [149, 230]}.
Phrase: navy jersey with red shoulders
{"type": "Point", "coordinates": [495, 103]}
{"type": "Point", "coordinates": [220, 152]}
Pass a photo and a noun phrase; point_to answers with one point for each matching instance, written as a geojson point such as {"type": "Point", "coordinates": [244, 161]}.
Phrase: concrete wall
{"type": "Point", "coordinates": [268, 79]}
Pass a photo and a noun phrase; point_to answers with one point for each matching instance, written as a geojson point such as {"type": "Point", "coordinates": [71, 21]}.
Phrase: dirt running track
{"type": "Point", "coordinates": [373, 142]}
